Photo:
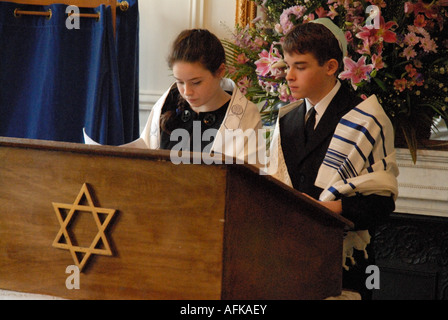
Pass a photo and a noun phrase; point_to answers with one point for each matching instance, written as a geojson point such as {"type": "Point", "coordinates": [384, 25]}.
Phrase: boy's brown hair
{"type": "Point", "coordinates": [316, 39]}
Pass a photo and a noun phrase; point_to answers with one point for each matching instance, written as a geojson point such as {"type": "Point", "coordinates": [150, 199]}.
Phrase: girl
{"type": "Point", "coordinates": [201, 99]}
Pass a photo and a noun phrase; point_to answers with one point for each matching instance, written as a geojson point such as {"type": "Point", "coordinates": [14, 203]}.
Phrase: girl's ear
{"type": "Point", "coordinates": [332, 67]}
{"type": "Point", "coordinates": [221, 72]}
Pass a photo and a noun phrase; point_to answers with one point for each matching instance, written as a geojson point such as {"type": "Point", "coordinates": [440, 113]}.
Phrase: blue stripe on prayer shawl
{"type": "Point", "coordinates": [340, 162]}
{"type": "Point", "coordinates": [337, 155]}
{"type": "Point", "coordinates": [349, 168]}
{"type": "Point", "coordinates": [353, 144]}
{"type": "Point", "coordinates": [378, 124]}
{"type": "Point", "coordinates": [351, 185]}
{"type": "Point", "coordinates": [344, 166]}
{"type": "Point", "coordinates": [332, 159]}
{"type": "Point", "coordinates": [359, 128]}
{"type": "Point", "coordinates": [371, 158]}
{"type": "Point", "coordinates": [344, 173]}
{"type": "Point", "coordinates": [334, 192]}
{"type": "Point", "coordinates": [331, 164]}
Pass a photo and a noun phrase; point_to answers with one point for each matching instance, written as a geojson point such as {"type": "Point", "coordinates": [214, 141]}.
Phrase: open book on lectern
{"type": "Point", "coordinates": [139, 143]}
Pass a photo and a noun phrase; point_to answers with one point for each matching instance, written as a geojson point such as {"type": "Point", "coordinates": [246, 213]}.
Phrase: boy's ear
{"type": "Point", "coordinates": [332, 67]}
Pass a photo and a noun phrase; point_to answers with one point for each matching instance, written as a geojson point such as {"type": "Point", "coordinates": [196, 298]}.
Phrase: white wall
{"type": "Point", "coordinates": [160, 23]}
{"type": "Point", "coordinates": [220, 17]}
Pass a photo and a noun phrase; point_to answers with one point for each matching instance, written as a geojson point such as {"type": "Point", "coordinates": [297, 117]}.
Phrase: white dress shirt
{"type": "Point", "coordinates": [322, 105]}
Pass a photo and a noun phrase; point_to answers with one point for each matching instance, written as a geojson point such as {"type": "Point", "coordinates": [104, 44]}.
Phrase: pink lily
{"type": "Point", "coordinates": [372, 36]}
{"type": "Point", "coordinates": [429, 9]}
{"type": "Point", "coordinates": [356, 71]}
{"type": "Point", "coordinates": [385, 33]}
{"type": "Point", "coordinates": [265, 64]}
{"type": "Point", "coordinates": [332, 13]}
{"type": "Point", "coordinates": [321, 12]}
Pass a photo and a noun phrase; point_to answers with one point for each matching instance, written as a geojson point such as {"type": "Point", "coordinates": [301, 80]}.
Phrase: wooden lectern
{"type": "Point", "coordinates": [178, 232]}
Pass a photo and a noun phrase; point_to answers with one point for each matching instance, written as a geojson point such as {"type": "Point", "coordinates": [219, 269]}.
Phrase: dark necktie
{"type": "Point", "coordinates": [310, 123]}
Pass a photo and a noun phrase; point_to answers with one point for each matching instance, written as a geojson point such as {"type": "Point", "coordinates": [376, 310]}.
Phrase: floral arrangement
{"type": "Point", "coordinates": [397, 51]}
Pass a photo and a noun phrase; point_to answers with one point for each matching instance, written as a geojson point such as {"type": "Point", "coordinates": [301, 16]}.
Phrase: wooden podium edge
{"type": "Point", "coordinates": [163, 155]}
{"type": "Point", "coordinates": [295, 195]}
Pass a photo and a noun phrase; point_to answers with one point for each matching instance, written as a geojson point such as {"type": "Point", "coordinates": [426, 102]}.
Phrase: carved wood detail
{"type": "Point", "coordinates": [246, 11]}
{"type": "Point", "coordinates": [416, 245]}
{"type": "Point", "coordinates": [64, 240]}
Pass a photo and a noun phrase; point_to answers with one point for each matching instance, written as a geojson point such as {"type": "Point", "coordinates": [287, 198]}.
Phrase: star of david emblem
{"type": "Point", "coordinates": [101, 216]}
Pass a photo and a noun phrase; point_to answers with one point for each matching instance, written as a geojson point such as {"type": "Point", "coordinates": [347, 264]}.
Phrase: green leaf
{"type": "Point", "coordinates": [380, 84]}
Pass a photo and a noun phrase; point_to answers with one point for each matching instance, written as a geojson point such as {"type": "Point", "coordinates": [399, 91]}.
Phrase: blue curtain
{"type": "Point", "coordinates": [127, 48]}
{"type": "Point", "coordinates": [55, 81]}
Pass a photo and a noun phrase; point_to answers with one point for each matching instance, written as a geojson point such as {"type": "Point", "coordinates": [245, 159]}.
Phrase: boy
{"type": "Point", "coordinates": [333, 146]}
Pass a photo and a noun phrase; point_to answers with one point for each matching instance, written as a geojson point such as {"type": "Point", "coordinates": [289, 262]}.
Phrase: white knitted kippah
{"type": "Point", "coordinates": [337, 32]}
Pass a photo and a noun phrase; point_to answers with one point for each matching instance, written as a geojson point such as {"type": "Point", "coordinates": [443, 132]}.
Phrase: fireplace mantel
{"type": "Point", "coordinates": [423, 186]}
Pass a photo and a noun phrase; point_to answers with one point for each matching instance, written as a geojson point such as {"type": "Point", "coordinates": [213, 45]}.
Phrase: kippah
{"type": "Point", "coordinates": [337, 32]}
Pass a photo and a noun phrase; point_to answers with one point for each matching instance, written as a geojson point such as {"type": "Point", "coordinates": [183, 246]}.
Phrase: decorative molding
{"type": "Point", "coordinates": [197, 14]}
{"type": "Point", "coordinates": [424, 158]}
{"type": "Point", "coordinates": [246, 12]}
{"type": "Point", "coordinates": [418, 207]}
{"type": "Point", "coordinates": [422, 186]}
{"type": "Point", "coordinates": [419, 186]}
{"type": "Point", "coordinates": [147, 99]}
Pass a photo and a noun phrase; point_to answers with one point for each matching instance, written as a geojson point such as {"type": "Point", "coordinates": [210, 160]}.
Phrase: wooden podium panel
{"type": "Point", "coordinates": [279, 245]}
{"type": "Point", "coordinates": [179, 231]}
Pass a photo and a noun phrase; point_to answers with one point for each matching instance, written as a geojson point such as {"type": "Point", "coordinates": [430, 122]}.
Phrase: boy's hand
{"type": "Point", "coordinates": [335, 206]}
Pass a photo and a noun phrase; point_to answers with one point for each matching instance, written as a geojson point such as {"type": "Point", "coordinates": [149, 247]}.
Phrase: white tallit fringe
{"type": "Point", "coordinates": [360, 160]}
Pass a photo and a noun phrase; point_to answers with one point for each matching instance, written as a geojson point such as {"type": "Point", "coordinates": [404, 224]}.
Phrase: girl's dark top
{"type": "Point", "coordinates": [185, 118]}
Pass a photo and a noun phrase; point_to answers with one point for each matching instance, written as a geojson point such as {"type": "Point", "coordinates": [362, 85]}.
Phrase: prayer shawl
{"type": "Point", "coordinates": [360, 160]}
{"type": "Point", "coordinates": [242, 117]}
{"type": "Point", "coordinates": [239, 136]}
